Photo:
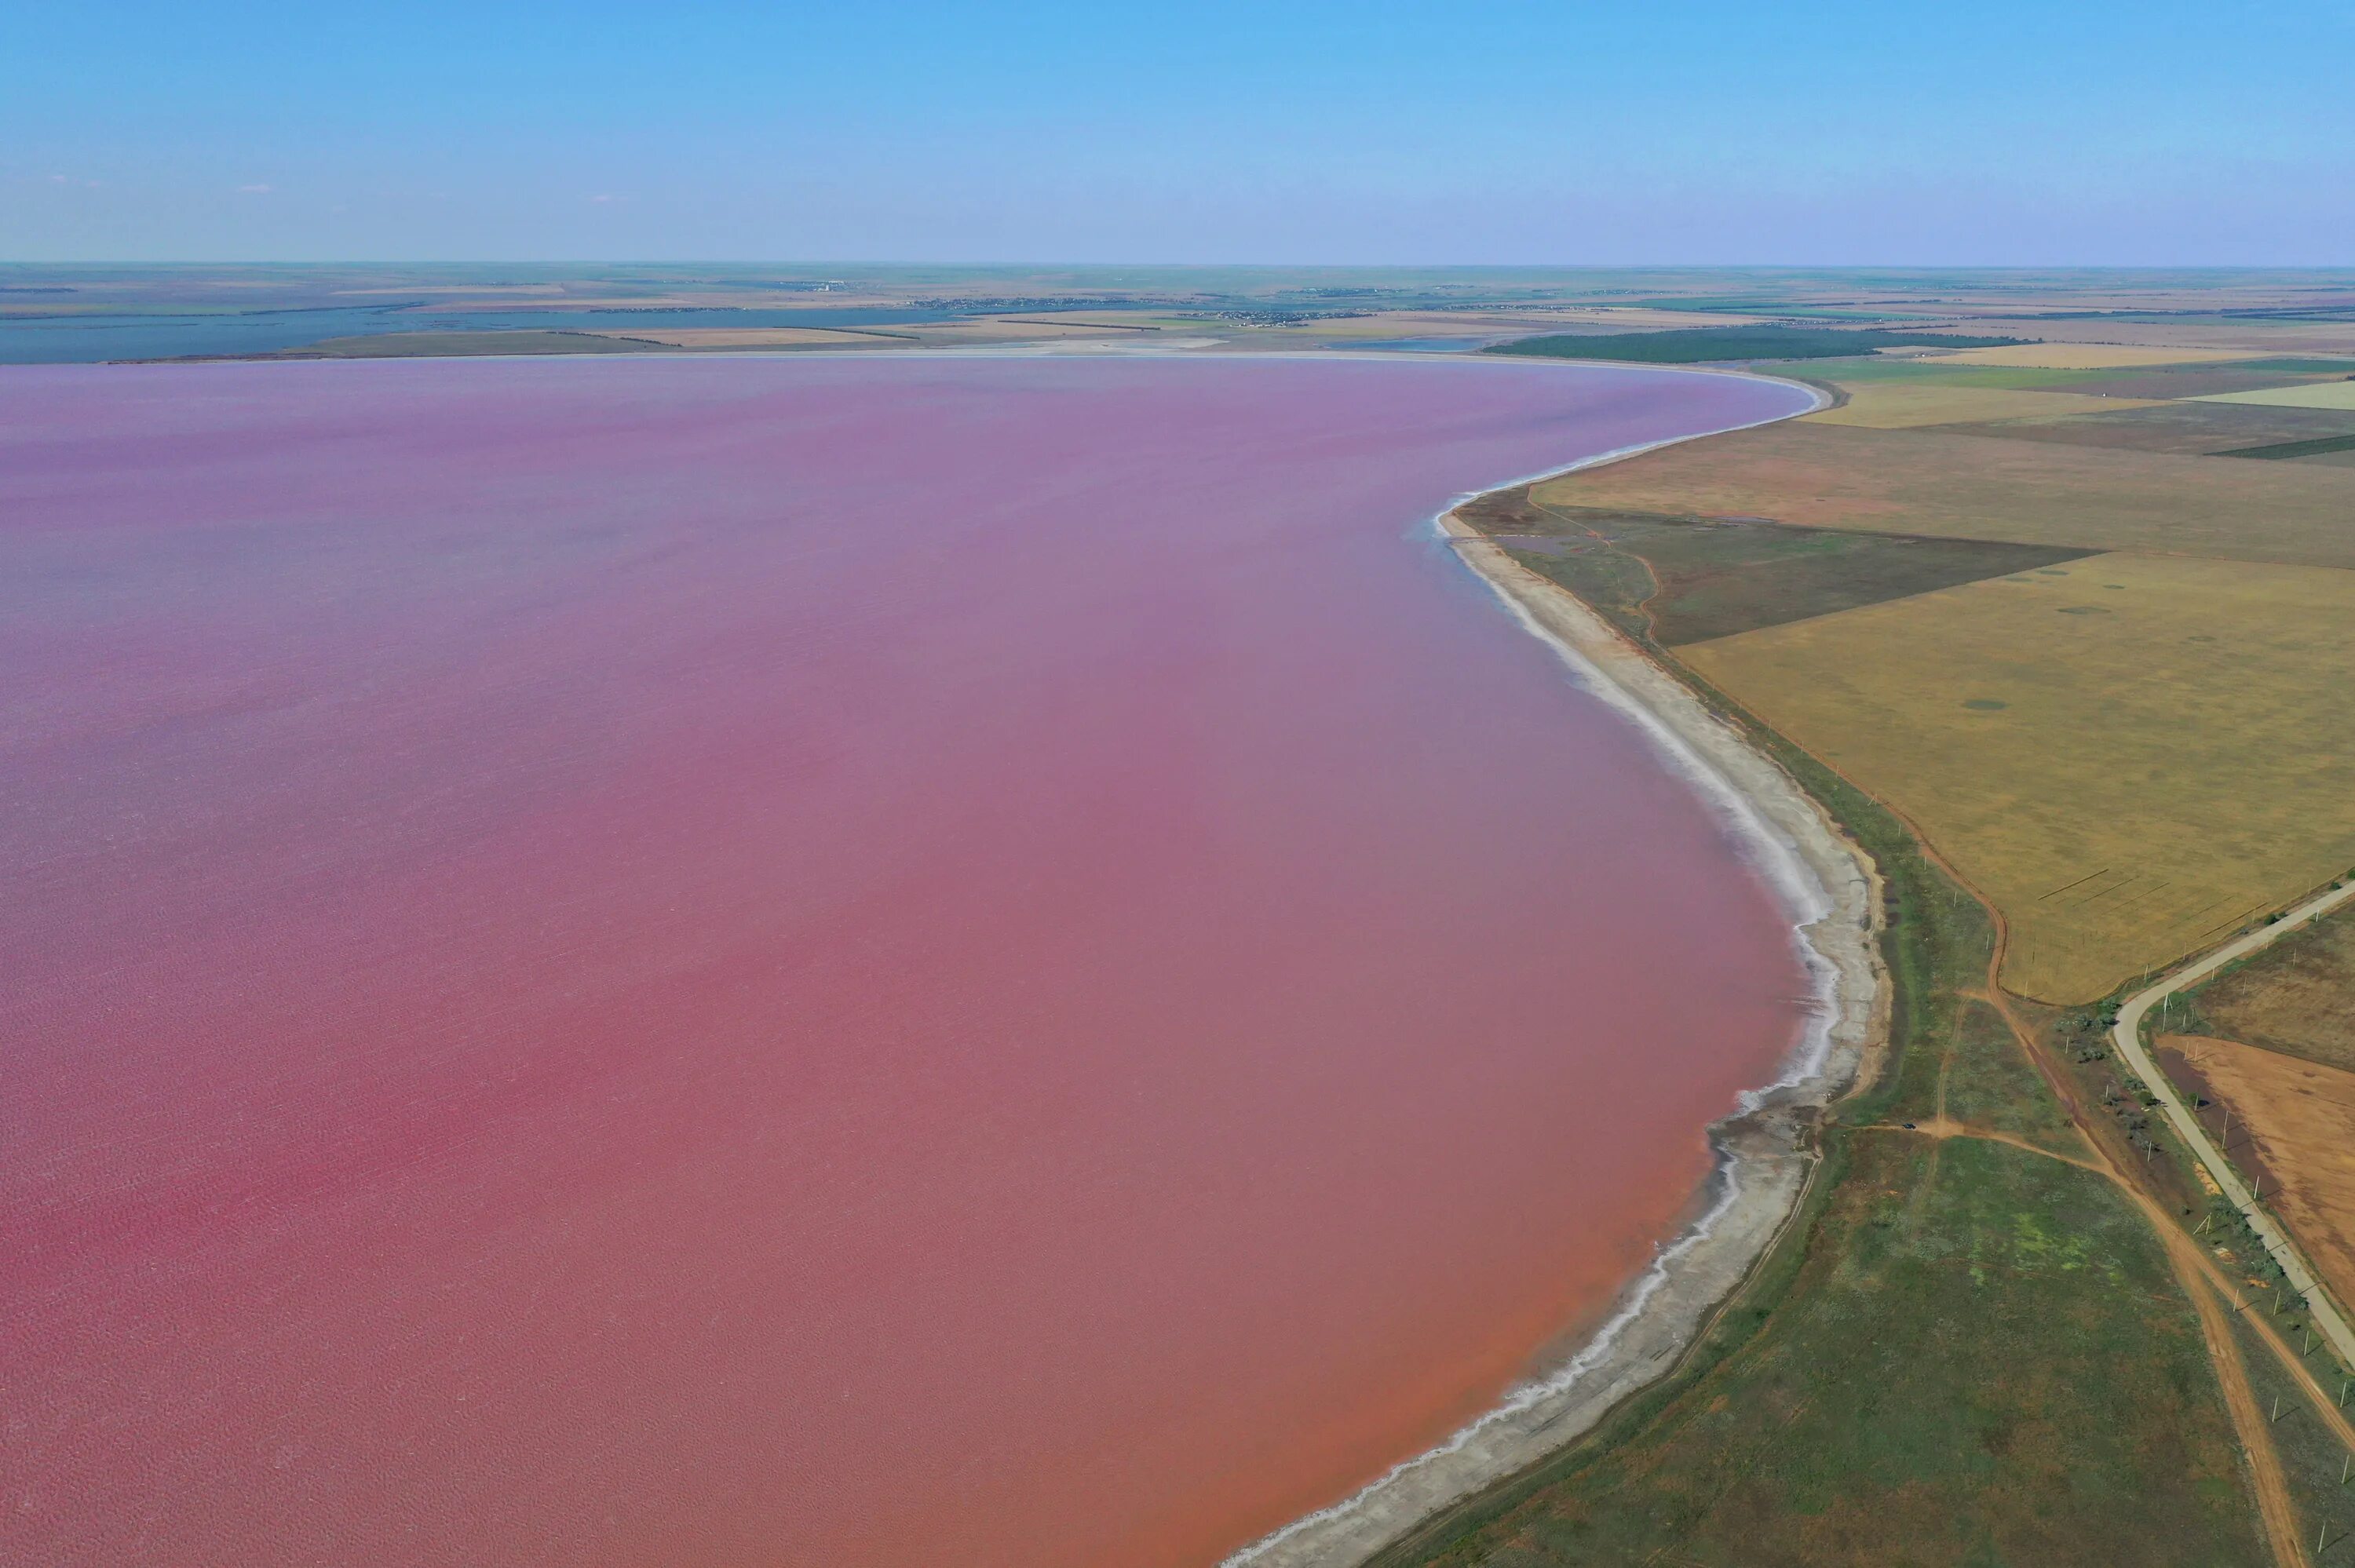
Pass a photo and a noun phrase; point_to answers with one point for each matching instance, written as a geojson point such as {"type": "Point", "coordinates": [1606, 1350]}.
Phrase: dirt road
{"type": "Point", "coordinates": [2128, 1036]}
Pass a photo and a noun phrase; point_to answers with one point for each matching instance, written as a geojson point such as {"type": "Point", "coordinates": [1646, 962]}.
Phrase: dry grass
{"type": "Point", "coordinates": [2300, 1129]}
{"type": "Point", "coordinates": [2311, 394]}
{"type": "Point", "coordinates": [1971, 487]}
{"type": "Point", "coordinates": [2130, 755]}
{"type": "Point", "coordinates": [2089, 356]}
{"type": "Point", "coordinates": [2182, 426]}
{"type": "Point", "coordinates": [1887, 406]}
{"type": "Point", "coordinates": [2297, 997]}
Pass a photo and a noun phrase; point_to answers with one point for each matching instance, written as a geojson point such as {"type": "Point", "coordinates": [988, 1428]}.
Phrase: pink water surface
{"type": "Point", "coordinates": [804, 961]}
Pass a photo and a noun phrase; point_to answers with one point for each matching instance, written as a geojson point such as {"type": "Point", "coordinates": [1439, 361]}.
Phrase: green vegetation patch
{"type": "Point", "coordinates": [2283, 450]}
{"type": "Point", "coordinates": [1716, 577]}
{"type": "Point", "coordinates": [1881, 371]}
{"type": "Point", "coordinates": [438, 344]}
{"type": "Point", "coordinates": [1698, 345]}
{"type": "Point", "coordinates": [2299, 365]}
{"type": "Point", "coordinates": [2312, 1457]}
{"type": "Point", "coordinates": [1990, 1083]}
{"type": "Point", "coordinates": [1984, 1359]}
{"type": "Point", "coordinates": [2190, 381]}
{"type": "Point", "coordinates": [2213, 429]}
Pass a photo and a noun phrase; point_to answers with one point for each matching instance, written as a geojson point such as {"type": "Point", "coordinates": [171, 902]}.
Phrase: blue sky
{"type": "Point", "coordinates": [2155, 133]}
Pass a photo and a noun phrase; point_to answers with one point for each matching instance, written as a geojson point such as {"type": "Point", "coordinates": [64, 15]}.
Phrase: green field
{"type": "Point", "coordinates": [1697, 345]}
{"type": "Point", "coordinates": [1709, 580]}
{"type": "Point", "coordinates": [2189, 429]}
{"type": "Point", "coordinates": [1984, 1359]}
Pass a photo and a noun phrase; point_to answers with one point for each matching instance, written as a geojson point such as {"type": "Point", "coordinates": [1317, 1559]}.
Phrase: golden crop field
{"type": "Point", "coordinates": [1897, 405]}
{"type": "Point", "coordinates": [2130, 755]}
{"type": "Point", "coordinates": [1969, 486]}
{"type": "Point", "coordinates": [2312, 395]}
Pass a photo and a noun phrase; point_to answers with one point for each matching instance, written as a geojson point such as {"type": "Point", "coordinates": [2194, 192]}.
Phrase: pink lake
{"type": "Point", "coordinates": [778, 961]}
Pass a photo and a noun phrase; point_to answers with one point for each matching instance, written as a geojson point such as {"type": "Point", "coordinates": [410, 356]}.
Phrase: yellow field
{"type": "Point", "coordinates": [1897, 406]}
{"type": "Point", "coordinates": [1967, 486]}
{"type": "Point", "coordinates": [2088, 355]}
{"type": "Point", "coordinates": [2313, 394]}
{"type": "Point", "coordinates": [2130, 755]}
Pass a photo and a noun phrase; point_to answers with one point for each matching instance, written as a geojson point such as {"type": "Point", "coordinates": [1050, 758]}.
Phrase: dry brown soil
{"type": "Point", "coordinates": [2295, 1119]}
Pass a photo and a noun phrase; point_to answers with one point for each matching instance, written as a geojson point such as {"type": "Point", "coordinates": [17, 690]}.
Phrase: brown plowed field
{"type": "Point", "coordinates": [2299, 1119]}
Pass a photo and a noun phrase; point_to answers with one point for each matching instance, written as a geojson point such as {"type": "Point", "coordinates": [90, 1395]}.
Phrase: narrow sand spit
{"type": "Point", "coordinates": [1833, 893]}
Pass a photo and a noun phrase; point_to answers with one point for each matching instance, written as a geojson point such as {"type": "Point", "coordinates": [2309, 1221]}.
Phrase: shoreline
{"type": "Point", "coordinates": [1761, 1161]}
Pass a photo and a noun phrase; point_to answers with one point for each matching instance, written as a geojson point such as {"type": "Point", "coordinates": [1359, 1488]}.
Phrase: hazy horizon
{"type": "Point", "coordinates": [1701, 134]}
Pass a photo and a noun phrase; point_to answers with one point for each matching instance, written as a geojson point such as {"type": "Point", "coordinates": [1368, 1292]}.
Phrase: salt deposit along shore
{"type": "Point", "coordinates": [1763, 1158]}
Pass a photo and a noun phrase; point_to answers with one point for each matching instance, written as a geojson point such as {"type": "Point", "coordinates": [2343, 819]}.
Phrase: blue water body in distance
{"type": "Point", "coordinates": [89, 339]}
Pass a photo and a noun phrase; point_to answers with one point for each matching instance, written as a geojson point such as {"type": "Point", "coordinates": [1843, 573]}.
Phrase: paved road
{"type": "Point", "coordinates": [2128, 1036]}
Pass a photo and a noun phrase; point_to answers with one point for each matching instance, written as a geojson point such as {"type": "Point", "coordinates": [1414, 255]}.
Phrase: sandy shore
{"type": "Point", "coordinates": [1764, 1161]}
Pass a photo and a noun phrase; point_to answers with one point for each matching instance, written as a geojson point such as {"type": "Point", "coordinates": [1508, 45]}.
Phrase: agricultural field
{"type": "Point", "coordinates": [2294, 1121]}
{"type": "Point", "coordinates": [751, 337]}
{"type": "Point", "coordinates": [2087, 355]}
{"type": "Point", "coordinates": [2187, 428]}
{"type": "Point", "coordinates": [1966, 486]}
{"type": "Point", "coordinates": [2297, 997]}
{"type": "Point", "coordinates": [2313, 394]}
{"type": "Point", "coordinates": [2129, 749]}
{"type": "Point", "coordinates": [1686, 579]}
{"type": "Point", "coordinates": [1713, 344]}
{"type": "Point", "coordinates": [1901, 405]}
{"type": "Point", "coordinates": [2132, 756]}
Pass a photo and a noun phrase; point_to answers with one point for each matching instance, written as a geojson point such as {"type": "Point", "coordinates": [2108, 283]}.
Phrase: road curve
{"type": "Point", "coordinates": [2126, 1034]}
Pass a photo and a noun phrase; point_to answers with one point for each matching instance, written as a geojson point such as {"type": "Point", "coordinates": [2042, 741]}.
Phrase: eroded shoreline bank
{"type": "Point", "coordinates": [1763, 1156]}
